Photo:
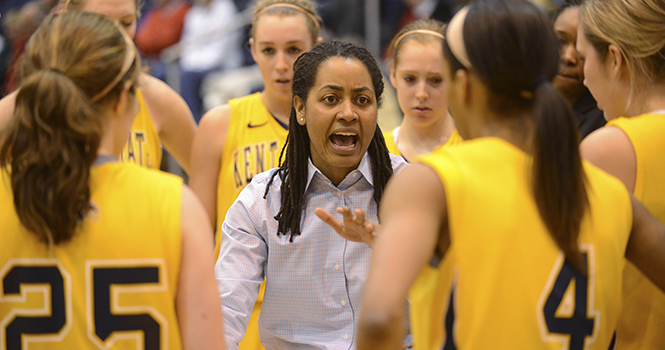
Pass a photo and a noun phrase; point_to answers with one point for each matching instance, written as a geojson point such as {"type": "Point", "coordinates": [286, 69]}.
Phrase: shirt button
{"type": "Point", "coordinates": [343, 302]}
{"type": "Point", "coordinates": [336, 267]}
{"type": "Point", "coordinates": [346, 336]}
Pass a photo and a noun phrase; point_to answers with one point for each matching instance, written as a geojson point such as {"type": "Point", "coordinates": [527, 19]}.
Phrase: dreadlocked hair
{"type": "Point", "coordinates": [295, 154]}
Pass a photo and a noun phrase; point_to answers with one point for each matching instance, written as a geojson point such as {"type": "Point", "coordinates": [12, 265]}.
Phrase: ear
{"type": "Point", "coordinates": [123, 102]}
{"type": "Point", "coordinates": [615, 60]}
{"type": "Point", "coordinates": [299, 106]}
{"type": "Point", "coordinates": [463, 84]}
{"type": "Point", "coordinates": [393, 78]}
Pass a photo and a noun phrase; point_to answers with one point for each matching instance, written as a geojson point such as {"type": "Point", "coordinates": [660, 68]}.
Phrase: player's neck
{"type": "Point", "coordinates": [278, 107]}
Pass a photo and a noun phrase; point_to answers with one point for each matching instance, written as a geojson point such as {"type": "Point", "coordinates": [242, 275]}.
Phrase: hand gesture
{"type": "Point", "coordinates": [354, 226]}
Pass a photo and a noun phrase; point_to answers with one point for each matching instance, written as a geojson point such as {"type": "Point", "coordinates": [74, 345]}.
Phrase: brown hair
{"type": "Point", "coordinates": [306, 8]}
{"type": "Point", "coordinates": [636, 28]}
{"type": "Point", "coordinates": [419, 29]}
{"type": "Point", "coordinates": [512, 48]}
{"type": "Point", "coordinates": [52, 140]}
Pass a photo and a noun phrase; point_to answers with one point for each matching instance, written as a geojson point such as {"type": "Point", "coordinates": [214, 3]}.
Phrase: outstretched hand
{"type": "Point", "coordinates": [354, 227]}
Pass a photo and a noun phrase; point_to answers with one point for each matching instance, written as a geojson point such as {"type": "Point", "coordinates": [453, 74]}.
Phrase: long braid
{"type": "Point", "coordinates": [296, 152]}
{"type": "Point", "coordinates": [382, 168]}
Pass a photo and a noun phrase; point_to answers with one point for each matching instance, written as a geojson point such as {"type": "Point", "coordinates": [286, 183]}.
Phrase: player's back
{"type": "Point", "coordinates": [513, 288]}
{"type": "Point", "coordinates": [113, 285]}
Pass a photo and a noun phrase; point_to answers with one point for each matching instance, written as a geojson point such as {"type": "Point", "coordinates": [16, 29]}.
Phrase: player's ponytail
{"type": "Point", "coordinates": [558, 175]}
{"type": "Point", "coordinates": [53, 143]}
{"type": "Point", "coordinates": [511, 46]}
{"type": "Point", "coordinates": [75, 67]}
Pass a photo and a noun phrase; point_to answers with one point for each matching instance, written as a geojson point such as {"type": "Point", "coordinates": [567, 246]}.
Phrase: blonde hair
{"type": "Point", "coordinates": [636, 28]}
{"type": "Point", "coordinates": [75, 65]}
{"type": "Point", "coordinates": [291, 7]}
{"type": "Point", "coordinates": [422, 30]}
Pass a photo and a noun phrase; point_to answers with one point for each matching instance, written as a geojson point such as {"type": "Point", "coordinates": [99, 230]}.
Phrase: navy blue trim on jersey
{"type": "Point", "coordinates": [450, 321]}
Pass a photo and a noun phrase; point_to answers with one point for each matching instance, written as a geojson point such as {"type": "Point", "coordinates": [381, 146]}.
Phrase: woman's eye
{"type": "Point", "coordinates": [363, 100]}
{"type": "Point", "coordinates": [268, 51]}
{"type": "Point", "coordinates": [409, 79]}
{"type": "Point", "coordinates": [436, 81]}
{"type": "Point", "coordinates": [295, 50]}
{"type": "Point", "coordinates": [329, 99]}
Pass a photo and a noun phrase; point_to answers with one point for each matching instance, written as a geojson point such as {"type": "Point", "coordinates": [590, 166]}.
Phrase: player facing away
{"type": "Point", "coordinates": [95, 253]}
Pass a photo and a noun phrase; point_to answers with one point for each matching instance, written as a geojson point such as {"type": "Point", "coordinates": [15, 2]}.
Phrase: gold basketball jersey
{"type": "Point", "coordinates": [144, 146]}
{"type": "Point", "coordinates": [511, 286]}
{"type": "Point", "coordinates": [389, 136]}
{"type": "Point", "coordinates": [253, 144]}
{"type": "Point", "coordinates": [643, 317]}
{"type": "Point", "coordinates": [113, 286]}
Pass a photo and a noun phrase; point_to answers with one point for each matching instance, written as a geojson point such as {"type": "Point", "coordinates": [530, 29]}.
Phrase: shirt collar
{"type": "Point", "coordinates": [364, 168]}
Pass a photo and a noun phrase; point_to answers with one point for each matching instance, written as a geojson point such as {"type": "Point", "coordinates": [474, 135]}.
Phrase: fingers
{"type": "Point", "coordinates": [360, 216]}
{"type": "Point", "coordinates": [329, 219]}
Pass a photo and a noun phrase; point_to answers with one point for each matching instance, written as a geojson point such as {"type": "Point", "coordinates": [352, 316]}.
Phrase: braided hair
{"type": "Point", "coordinates": [294, 156]}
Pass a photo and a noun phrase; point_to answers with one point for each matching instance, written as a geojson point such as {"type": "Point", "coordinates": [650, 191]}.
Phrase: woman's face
{"type": "Point", "coordinates": [570, 80]}
{"type": "Point", "coordinates": [276, 44]}
{"type": "Point", "coordinates": [340, 115]}
{"type": "Point", "coordinates": [123, 12]}
{"type": "Point", "coordinates": [598, 79]}
{"type": "Point", "coordinates": [418, 79]}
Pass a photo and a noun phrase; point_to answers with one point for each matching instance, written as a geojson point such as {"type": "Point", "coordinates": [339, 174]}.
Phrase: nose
{"type": "Point", "coordinates": [281, 63]}
{"type": "Point", "coordinates": [421, 92]}
{"type": "Point", "coordinates": [347, 111]}
{"type": "Point", "coordinates": [569, 55]}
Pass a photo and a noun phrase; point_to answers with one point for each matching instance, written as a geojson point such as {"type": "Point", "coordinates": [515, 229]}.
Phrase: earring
{"type": "Point", "coordinates": [302, 119]}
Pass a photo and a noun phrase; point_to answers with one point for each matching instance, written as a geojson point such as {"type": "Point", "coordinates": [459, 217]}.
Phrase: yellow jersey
{"type": "Point", "coordinates": [253, 144]}
{"type": "Point", "coordinates": [254, 141]}
{"type": "Point", "coordinates": [391, 140]}
{"type": "Point", "coordinates": [512, 288]}
{"type": "Point", "coordinates": [144, 146]}
{"type": "Point", "coordinates": [643, 317]}
{"type": "Point", "coordinates": [113, 286]}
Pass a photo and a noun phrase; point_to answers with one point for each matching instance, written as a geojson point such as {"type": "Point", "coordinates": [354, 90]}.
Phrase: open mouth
{"type": "Point", "coordinates": [344, 141]}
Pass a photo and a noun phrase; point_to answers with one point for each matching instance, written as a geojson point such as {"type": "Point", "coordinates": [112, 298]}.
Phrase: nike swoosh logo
{"type": "Point", "coordinates": [256, 125]}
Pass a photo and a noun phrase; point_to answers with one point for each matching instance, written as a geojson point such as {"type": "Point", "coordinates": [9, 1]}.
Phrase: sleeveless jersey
{"type": "Point", "coordinates": [643, 317]}
{"type": "Point", "coordinates": [513, 289]}
{"type": "Point", "coordinates": [253, 144]}
{"type": "Point", "coordinates": [144, 146]}
{"type": "Point", "coordinates": [113, 286]}
{"type": "Point", "coordinates": [390, 137]}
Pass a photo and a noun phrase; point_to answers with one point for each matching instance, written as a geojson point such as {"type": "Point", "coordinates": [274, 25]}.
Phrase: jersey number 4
{"type": "Point", "coordinates": [53, 321]}
{"type": "Point", "coordinates": [565, 307]}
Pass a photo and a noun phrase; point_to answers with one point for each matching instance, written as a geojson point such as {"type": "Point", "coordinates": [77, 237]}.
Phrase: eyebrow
{"type": "Point", "coordinates": [339, 88]}
{"type": "Point", "coordinates": [288, 43]}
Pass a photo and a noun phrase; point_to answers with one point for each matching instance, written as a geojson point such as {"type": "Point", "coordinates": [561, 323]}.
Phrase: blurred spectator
{"type": "Point", "coordinates": [208, 44]}
{"type": "Point", "coordinates": [19, 27]}
{"type": "Point", "coordinates": [5, 57]}
{"type": "Point", "coordinates": [160, 28]}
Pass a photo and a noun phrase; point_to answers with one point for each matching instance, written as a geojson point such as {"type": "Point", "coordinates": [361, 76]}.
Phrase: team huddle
{"type": "Point", "coordinates": [500, 213]}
